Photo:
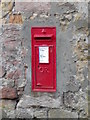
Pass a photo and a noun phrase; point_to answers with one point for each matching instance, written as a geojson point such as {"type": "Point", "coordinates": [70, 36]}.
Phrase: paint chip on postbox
{"type": "Point", "coordinates": [44, 54]}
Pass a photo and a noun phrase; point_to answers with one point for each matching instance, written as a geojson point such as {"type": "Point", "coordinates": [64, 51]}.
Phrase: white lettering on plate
{"type": "Point", "coordinates": [43, 54]}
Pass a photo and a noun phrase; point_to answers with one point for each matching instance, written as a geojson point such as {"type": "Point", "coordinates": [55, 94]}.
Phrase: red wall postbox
{"type": "Point", "coordinates": [43, 44]}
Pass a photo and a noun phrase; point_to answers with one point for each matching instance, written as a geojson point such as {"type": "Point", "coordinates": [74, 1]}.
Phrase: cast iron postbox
{"type": "Point", "coordinates": [43, 44]}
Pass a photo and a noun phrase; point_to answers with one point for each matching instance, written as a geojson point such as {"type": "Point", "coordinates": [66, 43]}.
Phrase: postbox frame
{"type": "Point", "coordinates": [39, 89]}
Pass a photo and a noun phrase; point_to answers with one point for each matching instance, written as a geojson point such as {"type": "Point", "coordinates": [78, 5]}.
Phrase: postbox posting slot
{"type": "Point", "coordinates": [43, 37]}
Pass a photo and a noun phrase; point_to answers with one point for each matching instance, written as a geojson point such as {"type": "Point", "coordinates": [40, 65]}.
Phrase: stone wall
{"type": "Point", "coordinates": [71, 21]}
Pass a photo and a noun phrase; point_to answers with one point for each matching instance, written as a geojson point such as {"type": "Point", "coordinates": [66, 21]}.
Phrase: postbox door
{"type": "Point", "coordinates": [44, 73]}
{"type": "Point", "coordinates": [43, 44]}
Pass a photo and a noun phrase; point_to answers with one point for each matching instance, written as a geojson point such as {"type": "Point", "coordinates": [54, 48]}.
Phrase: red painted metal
{"type": "Point", "coordinates": [43, 59]}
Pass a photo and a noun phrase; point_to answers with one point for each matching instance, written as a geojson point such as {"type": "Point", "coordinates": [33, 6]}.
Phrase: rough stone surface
{"type": "Point", "coordinates": [7, 8]}
{"type": "Point", "coordinates": [2, 72]}
{"type": "Point", "coordinates": [0, 113]}
{"type": "Point", "coordinates": [8, 93]}
{"type": "Point", "coordinates": [23, 113]}
{"type": "Point", "coordinates": [59, 113]}
{"type": "Point", "coordinates": [43, 101]}
{"type": "Point", "coordinates": [7, 107]}
{"type": "Point", "coordinates": [31, 113]}
{"type": "Point", "coordinates": [77, 101]}
{"type": "Point", "coordinates": [13, 70]}
{"type": "Point", "coordinates": [16, 18]}
{"type": "Point", "coordinates": [21, 6]}
{"type": "Point", "coordinates": [7, 104]}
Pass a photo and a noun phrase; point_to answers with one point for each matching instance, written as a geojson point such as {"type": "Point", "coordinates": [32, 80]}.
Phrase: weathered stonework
{"type": "Point", "coordinates": [16, 97]}
{"type": "Point", "coordinates": [43, 101]}
{"type": "Point", "coordinates": [57, 113]}
{"type": "Point", "coordinates": [8, 93]}
{"type": "Point", "coordinates": [8, 108]}
{"type": "Point", "coordinates": [31, 113]}
{"type": "Point", "coordinates": [16, 18]}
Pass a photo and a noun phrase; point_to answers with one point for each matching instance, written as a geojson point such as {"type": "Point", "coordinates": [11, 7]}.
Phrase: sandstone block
{"type": "Point", "coordinates": [16, 19]}
{"type": "Point", "coordinates": [8, 93]}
